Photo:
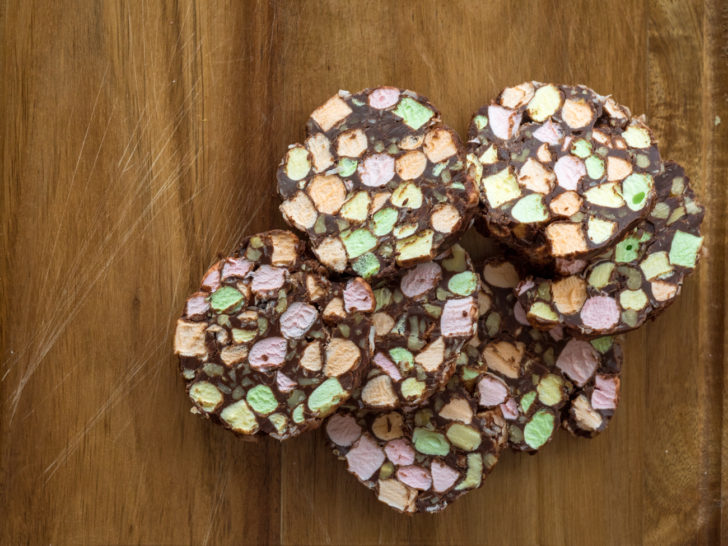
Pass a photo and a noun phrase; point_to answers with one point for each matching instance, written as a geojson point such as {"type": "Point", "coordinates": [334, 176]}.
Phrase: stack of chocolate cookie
{"type": "Point", "coordinates": [423, 358]}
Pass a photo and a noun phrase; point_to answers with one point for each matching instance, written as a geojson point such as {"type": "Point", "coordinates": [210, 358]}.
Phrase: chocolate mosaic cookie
{"type": "Point", "coordinates": [533, 376]}
{"type": "Point", "coordinates": [423, 318]}
{"type": "Point", "coordinates": [563, 172]}
{"type": "Point", "coordinates": [379, 182]}
{"type": "Point", "coordinates": [632, 282]}
{"type": "Point", "coordinates": [422, 460]}
{"type": "Point", "coordinates": [269, 344]}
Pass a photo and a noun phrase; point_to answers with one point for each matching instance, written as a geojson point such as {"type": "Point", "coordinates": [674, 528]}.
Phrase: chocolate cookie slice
{"type": "Point", "coordinates": [269, 344]}
{"type": "Point", "coordinates": [633, 281]}
{"type": "Point", "coordinates": [379, 182]}
{"type": "Point", "coordinates": [563, 172]}
{"type": "Point", "coordinates": [420, 461]}
{"type": "Point", "coordinates": [535, 377]}
{"type": "Point", "coordinates": [423, 317]}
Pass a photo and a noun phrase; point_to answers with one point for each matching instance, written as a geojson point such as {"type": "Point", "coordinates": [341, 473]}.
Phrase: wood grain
{"type": "Point", "coordinates": [140, 140]}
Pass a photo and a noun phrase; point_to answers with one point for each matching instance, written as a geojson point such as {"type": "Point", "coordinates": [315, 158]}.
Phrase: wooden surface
{"type": "Point", "coordinates": [140, 139]}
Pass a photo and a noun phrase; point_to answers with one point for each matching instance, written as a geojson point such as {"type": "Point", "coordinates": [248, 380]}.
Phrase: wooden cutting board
{"type": "Point", "coordinates": [140, 139]}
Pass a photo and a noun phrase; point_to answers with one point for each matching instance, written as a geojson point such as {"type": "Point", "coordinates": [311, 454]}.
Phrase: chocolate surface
{"type": "Point", "coordinates": [420, 461]}
{"type": "Point", "coordinates": [379, 182]}
{"type": "Point", "coordinates": [633, 281]}
{"type": "Point", "coordinates": [269, 344]}
{"type": "Point", "coordinates": [562, 171]}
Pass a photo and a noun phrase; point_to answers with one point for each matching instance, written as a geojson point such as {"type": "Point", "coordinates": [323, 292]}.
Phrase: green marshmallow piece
{"type": "Point", "coordinates": [463, 436]}
{"type": "Point", "coordinates": [430, 443]}
{"type": "Point", "coordinates": [635, 189]}
{"type": "Point", "coordinates": [206, 395]}
{"type": "Point", "coordinates": [594, 167]}
{"type": "Point", "coordinates": [633, 299]}
{"type": "Point", "coordinates": [684, 249]}
{"type": "Point", "coordinates": [412, 388]}
{"type": "Point", "coordinates": [602, 344]}
{"type": "Point", "coordinates": [581, 148]}
{"type": "Point", "coordinates": [262, 399]}
{"type": "Point", "coordinates": [463, 284]}
{"type": "Point", "coordinates": [347, 166]}
{"type": "Point", "coordinates": [402, 357]}
{"type": "Point", "coordinates": [481, 122]}
{"type": "Point", "coordinates": [530, 209]}
{"type": "Point", "coordinates": [358, 242]}
{"type": "Point", "coordinates": [469, 373]}
{"type": "Point", "coordinates": [656, 264]}
{"type": "Point", "coordinates": [225, 298]}
{"type": "Point", "coordinates": [501, 187]}
{"type": "Point", "coordinates": [383, 221]}
{"type": "Point", "coordinates": [240, 418]}
{"type": "Point", "coordinates": [626, 250]}
{"type": "Point", "coordinates": [474, 475]}
{"type": "Point", "coordinates": [526, 401]}
{"type": "Point", "coordinates": [456, 262]}
{"type": "Point", "coordinates": [382, 296]}
{"type": "Point", "coordinates": [543, 311]}
{"type": "Point", "coordinates": [636, 137]}
{"type": "Point", "coordinates": [298, 414]}
{"type": "Point", "coordinates": [326, 397]}
{"type": "Point", "coordinates": [366, 265]}
{"type": "Point", "coordinates": [549, 389]}
{"type": "Point", "coordinates": [539, 429]}
{"type": "Point", "coordinates": [297, 165]}
{"type": "Point", "coordinates": [414, 114]}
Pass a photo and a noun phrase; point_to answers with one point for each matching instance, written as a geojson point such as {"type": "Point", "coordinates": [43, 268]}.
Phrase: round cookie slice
{"type": "Point", "coordinates": [422, 460]}
{"type": "Point", "coordinates": [269, 344]}
{"type": "Point", "coordinates": [635, 280]}
{"type": "Point", "coordinates": [563, 172]}
{"type": "Point", "coordinates": [423, 318]}
{"type": "Point", "coordinates": [379, 182]}
{"type": "Point", "coordinates": [533, 376]}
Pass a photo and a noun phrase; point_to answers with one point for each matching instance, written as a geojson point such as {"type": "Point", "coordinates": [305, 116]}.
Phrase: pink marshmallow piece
{"type": "Point", "coordinates": [376, 170]}
{"type": "Point", "coordinates": [605, 394]}
{"type": "Point", "coordinates": [297, 320]}
{"type": "Point", "coordinates": [400, 452]}
{"type": "Point", "coordinates": [520, 314]}
{"type": "Point", "coordinates": [365, 457]}
{"type": "Point", "coordinates": [565, 266]}
{"type": "Point", "coordinates": [458, 317]}
{"type": "Point", "coordinates": [415, 476]}
{"type": "Point", "coordinates": [197, 306]}
{"type": "Point", "coordinates": [384, 97]}
{"type": "Point", "coordinates": [600, 313]}
{"type": "Point", "coordinates": [211, 281]}
{"type": "Point", "coordinates": [236, 267]}
{"type": "Point", "coordinates": [268, 353]}
{"type": "Point", "coordinates": [389, 367]}
{"type": "Point", "coordinates": [569, 170]}
{"type": "Point", "coordinates": [343, 430]}
{"type": "Point", "coordinates": [268, 278]}
{"type": "Point", "coordinates": [504, 122]}
{"type": "Point", "coordinates": [549, 132]}
{"type": "Point", "coordinates": [509, 409]}
{"type": "Point", "coordinates": [358, 296]}
{"type": "Point", "coordinates": [579, 360]}
{"type": "Point", "coordinates": [285, 383]}
{"type": "Point", "coordinates": [421, 279]}
{"type": "Point", "coordinates": [492, 391]}
{"type": "Point", "coordinates": [443, 476]}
